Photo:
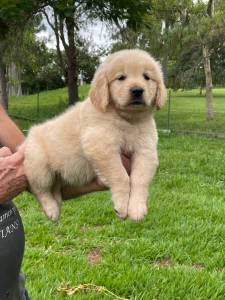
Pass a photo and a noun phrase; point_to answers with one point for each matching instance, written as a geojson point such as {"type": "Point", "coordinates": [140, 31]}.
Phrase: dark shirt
{"type": "Point", "coordinates": [11, 253]}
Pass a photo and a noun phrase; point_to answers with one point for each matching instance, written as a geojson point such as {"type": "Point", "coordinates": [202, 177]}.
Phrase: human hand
{"type": "Point", "coordinates": [12, 177]}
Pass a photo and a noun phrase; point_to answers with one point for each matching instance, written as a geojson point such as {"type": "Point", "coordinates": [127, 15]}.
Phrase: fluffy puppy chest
{"type": "Point", "coordinates": [133, 136]}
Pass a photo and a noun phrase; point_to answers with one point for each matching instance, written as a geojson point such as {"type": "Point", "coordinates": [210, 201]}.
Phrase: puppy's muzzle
{"type": "Point", "coordinates": [136, 96]}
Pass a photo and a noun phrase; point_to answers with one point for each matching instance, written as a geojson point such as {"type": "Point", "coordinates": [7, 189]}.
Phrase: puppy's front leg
{"type": "Point", "coordinates": [113, 174]}
{"type": "Point", "coordinates": [144, 165]}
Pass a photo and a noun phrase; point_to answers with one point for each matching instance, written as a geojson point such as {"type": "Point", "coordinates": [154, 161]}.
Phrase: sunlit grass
{"type": "Point", "coordinates": [187, 112]}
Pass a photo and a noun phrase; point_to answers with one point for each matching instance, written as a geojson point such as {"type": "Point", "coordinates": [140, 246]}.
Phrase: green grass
{"type": "Point", "coordinates": [176, 252]}
{"type": "Point", "coordinates": [51, 103]}
{"type": "Point", "coordinates": [188, 112]}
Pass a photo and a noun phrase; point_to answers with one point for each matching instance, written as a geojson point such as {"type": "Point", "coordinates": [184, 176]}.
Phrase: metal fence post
{"type": "Point", "coordinates": [168, 113]}
{"type": "Point", "coordinates": [38, 105]}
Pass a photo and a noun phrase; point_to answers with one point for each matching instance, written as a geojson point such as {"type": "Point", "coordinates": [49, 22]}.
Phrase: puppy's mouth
{"type": "Point", "coordinates": [136, 96]}
{"type": "Point", "coordinates": [137, 101]}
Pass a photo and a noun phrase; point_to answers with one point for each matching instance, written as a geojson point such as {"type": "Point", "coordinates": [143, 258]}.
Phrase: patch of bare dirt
{"type": "Point", "coordinates": [94, 256]}
{"type": "Point", "coordinates": [163, 262]}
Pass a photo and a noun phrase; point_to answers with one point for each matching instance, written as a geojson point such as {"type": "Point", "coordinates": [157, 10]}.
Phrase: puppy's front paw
{"type": "Point", "coordinates": [52, 211]}
{"type": "Point", "coordinates": [137, 211]}
{"type": "Point", "coordinates": [121, 210]}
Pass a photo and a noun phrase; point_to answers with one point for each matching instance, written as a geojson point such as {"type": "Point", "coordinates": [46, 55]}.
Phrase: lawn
{"type": "Point", "coordinates": [176, 252]}
{"type": "Point", "coordinates": [187, 112]}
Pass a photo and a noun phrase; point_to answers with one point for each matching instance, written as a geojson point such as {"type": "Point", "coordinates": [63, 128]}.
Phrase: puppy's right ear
{"type": "Point", "coordinates": [99, 92]}
{"type": "Point", "coordinates": [160, 95]}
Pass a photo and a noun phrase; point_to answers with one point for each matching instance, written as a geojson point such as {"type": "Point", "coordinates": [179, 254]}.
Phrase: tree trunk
{"type": "Point", "coordinates": [165, 53]}
{"type": "Point", "coordinates": [3, 85]}
{"type": "Point", "coordinates": [64, 21]}
{"type": "Point", "coordinates": [208, 80]}
{"type": "Point", "coordinates": [59, 53]}
{"type": "Point", "coordinates": [56, 28]}
{"type": "Point", "coordinates": [207, 68]}
{"type": "Point", "coordinates": [14, 80]}
{"type": "Point", "coordinates": [71, 61]}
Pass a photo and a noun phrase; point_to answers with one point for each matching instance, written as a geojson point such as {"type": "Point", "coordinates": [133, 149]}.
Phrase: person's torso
{"type": "Point", "coordinates": [11, 252]}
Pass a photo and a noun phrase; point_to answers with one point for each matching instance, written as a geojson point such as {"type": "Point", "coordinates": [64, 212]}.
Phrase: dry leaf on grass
{"type": "Point", "coordinates": [87, 287]}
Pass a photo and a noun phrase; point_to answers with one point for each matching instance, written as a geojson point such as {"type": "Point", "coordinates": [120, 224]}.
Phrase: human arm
{"type": "Point", "coordinates": [12, 177]}
{"type": "Point", "coordinates": [10, 135]}
{"type": "Point", "coordinates": [69, 192]}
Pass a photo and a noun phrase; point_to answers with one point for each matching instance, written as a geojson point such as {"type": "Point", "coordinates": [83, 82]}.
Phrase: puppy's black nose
{"type": "Point", "coordinates": [137, 91]}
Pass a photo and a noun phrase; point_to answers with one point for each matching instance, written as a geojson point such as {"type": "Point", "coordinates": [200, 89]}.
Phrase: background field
{"type": "Point", "coordinates": [177, 252]}
{"type": "Point", "coordinates": [186, 112]}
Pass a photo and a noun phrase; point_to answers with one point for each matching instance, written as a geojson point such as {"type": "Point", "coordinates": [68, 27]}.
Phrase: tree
{"type": "Point", "coordinates": [155, 32]}
{"type": "Point", "coordinates": [66, 17]}
{"type": "Point", "coordinates": [40, 69]}
{"type": "Point", "coordinates": [87, 61]}
{"type": "Point", "coordinates": [205, 33]}
{"type": "Point", "coordinates": [14, 15]}
{"type": "Point", "coordinates": [207, 66]}
{"type": "Point", "coordinates": [27, 53]}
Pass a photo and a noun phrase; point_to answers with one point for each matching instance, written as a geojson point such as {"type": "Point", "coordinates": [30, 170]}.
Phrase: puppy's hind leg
{"type": "Point", "coordinates": [41, 179]}
{"type": "Point", "coordinates": [56, 191]}
{"type": "Point", "coordinates": [49, 204]}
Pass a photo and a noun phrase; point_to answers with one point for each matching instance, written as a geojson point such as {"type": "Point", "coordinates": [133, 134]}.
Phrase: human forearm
{"type": "Point", "coordinates": [10, 135]}
{"type": "Point", "coordinates": [69, 192]}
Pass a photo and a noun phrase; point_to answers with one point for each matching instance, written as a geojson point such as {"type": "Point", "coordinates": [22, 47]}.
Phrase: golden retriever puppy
{"type": "Point", "coordinates": [88, 139]}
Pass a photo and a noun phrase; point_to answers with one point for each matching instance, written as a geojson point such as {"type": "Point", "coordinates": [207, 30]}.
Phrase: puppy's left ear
{"type": "Point", "coordinates": [161, 95]}
{"type": "Point", "coordinates": [99, 92]}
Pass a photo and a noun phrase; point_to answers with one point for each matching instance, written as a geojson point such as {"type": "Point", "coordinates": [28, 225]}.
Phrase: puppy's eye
{"type": "Point", "coordinates": [121, 77]}
{"type": "Point", "coordinates": [146, 77]}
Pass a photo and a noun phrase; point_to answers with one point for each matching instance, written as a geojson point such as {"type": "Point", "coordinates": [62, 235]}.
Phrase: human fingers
{"type": "Point", "coordinates": [5, 151]}
{"type": "Point", "coordinates": [12, 161]}
{"type": "Point", "coordinates": [21, 148]}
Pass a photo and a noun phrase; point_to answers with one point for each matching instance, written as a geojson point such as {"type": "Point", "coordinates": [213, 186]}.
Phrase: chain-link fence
{"type": "Point", "coordinates": [32, 109]}
{"type": "Point", "coordinates": [184, 112]}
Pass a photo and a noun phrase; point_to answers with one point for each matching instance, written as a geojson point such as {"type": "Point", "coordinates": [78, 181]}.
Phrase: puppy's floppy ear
{"type": "Point", "coordinates": [99, 92]}
{"type": "Point", "coordinates": [161, 95]}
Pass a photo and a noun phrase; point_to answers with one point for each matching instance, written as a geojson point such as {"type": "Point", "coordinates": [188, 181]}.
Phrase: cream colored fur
{"type": "Point", "coordinates": [88, 138]}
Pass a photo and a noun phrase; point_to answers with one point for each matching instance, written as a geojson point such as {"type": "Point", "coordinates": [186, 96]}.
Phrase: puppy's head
{"type": "Point", "coordinates": [131, 80]}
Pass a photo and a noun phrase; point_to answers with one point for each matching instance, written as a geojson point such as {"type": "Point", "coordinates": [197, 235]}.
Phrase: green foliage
{"type": "Point", "coordinates": [112, 10]}
{"type": "Point", "coordinates": [218, 63]}
{"type": "Point", "coordinates": [87, 61]}
{"type": "Point", "coordinates": [41, 71]}
{"type": "Point", "coordinates": [15, 13]}
{"type": "Point", "coordinates": [187, 52]}
{"type": "Point", "coordinates": [36, 63]}
{"type": "Point", "coordinates": [186, 71]}
{"type": "Point", "coordinates": [175, 31]}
